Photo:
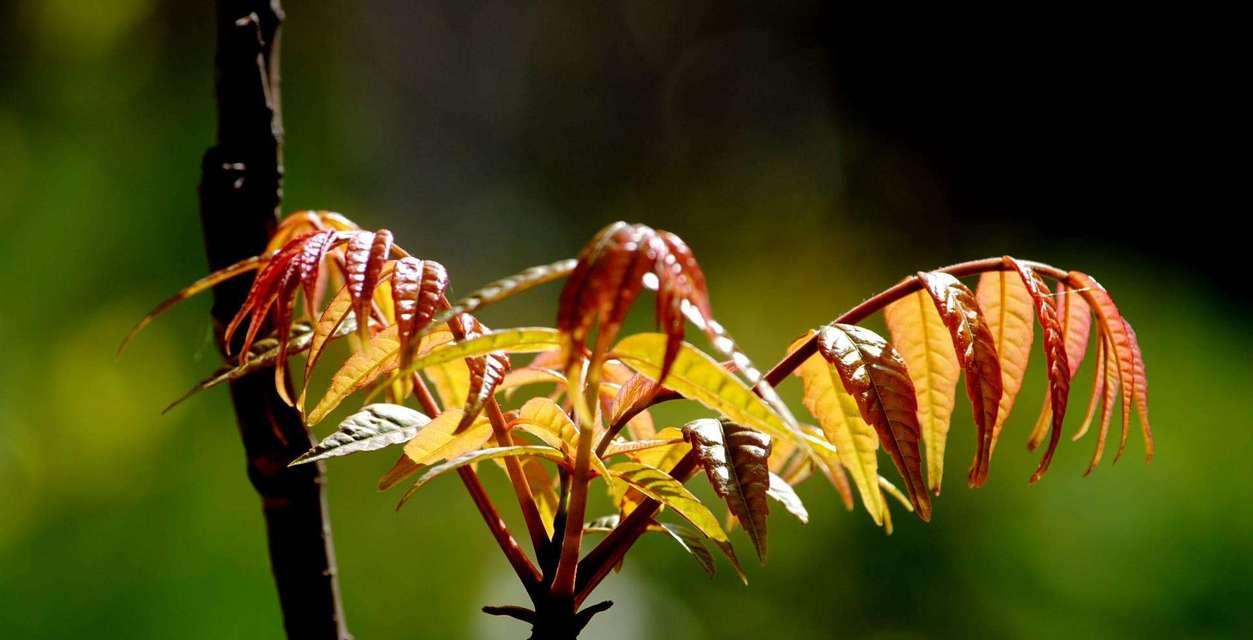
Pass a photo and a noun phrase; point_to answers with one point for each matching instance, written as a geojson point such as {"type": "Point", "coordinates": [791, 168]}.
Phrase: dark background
{"type": "Point", "coordinates": [811, 155]}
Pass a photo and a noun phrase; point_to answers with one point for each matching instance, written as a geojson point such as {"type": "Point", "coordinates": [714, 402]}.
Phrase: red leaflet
{"type": "Point", "coordinates": [486, 372]}
{"type": "Point", "coordinates": [309, 265]}
{"type": "Point", "coordinates": [875, 375]}
{"type": "Point", "coordinates": [1076, 319]}
{"type": "Point", "coordinates": [976, 353]}
{"type": "Point", "coordinates": [1109, 388]}
{"type": "Point", "coordinates": [418, 291]}
{"type": "Point", "coordinates": [680, 280]}
{"type": "Point", "coordinates": [261, 295]}
{"type": "Point", "coordinates": [1141, 392]}
{"type": "Point", "coordinates": [1055, 355]}
{"type": "Point", "coordinates": [363, 261]}
{"type": "Point", "coordinates": [609, 276]}
{"type": "Point", "coordinates": [1112, 326]}
{"type": "Point", "coordinates": [1098, 391]}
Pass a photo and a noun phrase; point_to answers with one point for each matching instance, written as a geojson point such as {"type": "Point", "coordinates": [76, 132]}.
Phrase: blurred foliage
{"type": "Point", "coordinates": [492, 137]}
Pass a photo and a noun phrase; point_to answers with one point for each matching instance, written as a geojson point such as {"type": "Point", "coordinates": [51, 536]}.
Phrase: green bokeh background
{"type": "Point", "coordinates": [476, 133]}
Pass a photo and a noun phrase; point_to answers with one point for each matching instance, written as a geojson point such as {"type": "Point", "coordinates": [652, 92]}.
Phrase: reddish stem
{"type": "Point", "coordinates": [527, 573]}
{"type": "Point", "coordinates": [606, 555]}
{"type": "Point", "coordinates": [521, 487]}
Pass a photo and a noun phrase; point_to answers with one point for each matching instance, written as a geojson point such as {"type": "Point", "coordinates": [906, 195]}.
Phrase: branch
{"type": "Point", "coordinates": [517, 478]}
{"type": "Point", "coordinates": [606, 555]}
{"type": "Point", "coordinates": [240, 191]}
{"type": "Point", "coordinates": [787, 365]}
{"type": "Point", "coordinates": [527, 573]}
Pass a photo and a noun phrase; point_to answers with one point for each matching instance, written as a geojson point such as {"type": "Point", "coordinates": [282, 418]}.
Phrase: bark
{"type": "Point", "coordinates": [240, 192]}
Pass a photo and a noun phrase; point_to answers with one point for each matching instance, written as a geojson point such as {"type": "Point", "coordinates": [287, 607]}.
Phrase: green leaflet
{"type": "Point", "coordinates": [372, 428]}
{"type": "Point", "coordinates": [380, 354]}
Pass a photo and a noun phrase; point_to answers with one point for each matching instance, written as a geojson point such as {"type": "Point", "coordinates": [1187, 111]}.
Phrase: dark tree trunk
{"type": "Point", "coordinates": [240, 192]}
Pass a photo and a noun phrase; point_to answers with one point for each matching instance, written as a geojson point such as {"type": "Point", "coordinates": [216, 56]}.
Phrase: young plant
{"type": "Point", "coordinates": [589, 426]}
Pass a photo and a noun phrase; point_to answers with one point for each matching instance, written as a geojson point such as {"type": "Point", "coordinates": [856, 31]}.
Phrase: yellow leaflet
{"type": "Point", "coordinates": [436, 442]}
{"type": "Point", "coordinates": [1010, 313]}
{"type": "Point", "coordinates": [697, 376]}
{"type": "Point", "coordinates": [856, 442]}
{"type": "Point", "coordinates": [659, 486]}
{"type": "Point", "coordinates": [921, 338]}
{"type": "Point", "coordinates": [666, 456]}
{"type": "Point", "coordinates": [547, 421]}
{"type": "Point", "coordinates": [541, 483]}
{"type": "Point", "coordinates": [377, 357]}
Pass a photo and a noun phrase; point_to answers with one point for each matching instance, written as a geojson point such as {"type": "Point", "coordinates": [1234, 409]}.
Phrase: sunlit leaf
{"type": "Point", "coordinates": [891, 490]}
{"type": "Point", "coordinates": [332, 317]}
{"type": "Point", "coordinates": [603, 524]}
{"type": "Point", "coordinates": [519, 340]}
{"type": "Point", "coordinates": [875, 375]}
{"type": "Point", "coordinates": [529, 376]}
{"type": "Point", "coordinates": [1109, 390]}
{"type": "Point", "coordinates": [1098, 390]}
{"type": "Point", "coordinates": [1121, 353]}
{"type": "Point", "coordinates": [262, 294]}
{"type": "Point", "coordinates": [403, 468]}
{"type": "Point", "coordinates": [486, 371]}
{"type": "Point", "coordinates": [437, 440]}
{"type": "Point", "coordinates": [783, 492]}
{"type": "Point", "coordinates": [1007, 308]}
{"type": "Point", "coordinates": [364, 258]}
{"type": "Point", "coordinates": [693, 543]}
{"type": "Point", "coordinates": [1075, 317]}
{"type": "Point", "coordinates": [376, 358]}
{"type": "Point", "coordinates": [451, 381]}
{"type": "Point", "coordinates": [923, 340]}
{"type": "Point", "coordinates": [671, 493]}
{"type": "Point", "coordinates": [550, 423]}
{"type": "Point", "coordinates": [418, 292]}
{"type": "Point", "coordinates": [734, 459]}
{"type": "Point", "coordinates": [696, 376]}
{"type": "Point", "coordinates": [541, 483]}
{"type": "Point", "coordinates": [374, 427]}
{"type": "Point", "coordinates": [1056, 359]}
{"type": "Point", "coordinates": [665, 456]}
{"type": "Point", "coordinates": [628, 447]}
{"type": "Point", "coordinates": [856, 442]}
{"type": "Point", "coordinates": [822, 457]}
{"type": "Point", "coordinates": [1141, 392]}
{"type": "Point", "coordinates": [1109, 395]}
{"type": "Point", "coordinates": [976, 353]}
{"type": "Point", "coordinates": [297, 263]}
{"type": "Point", "coordinates": [472, 457]}
{"type": "Point", "coordinates": [604, 284]}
